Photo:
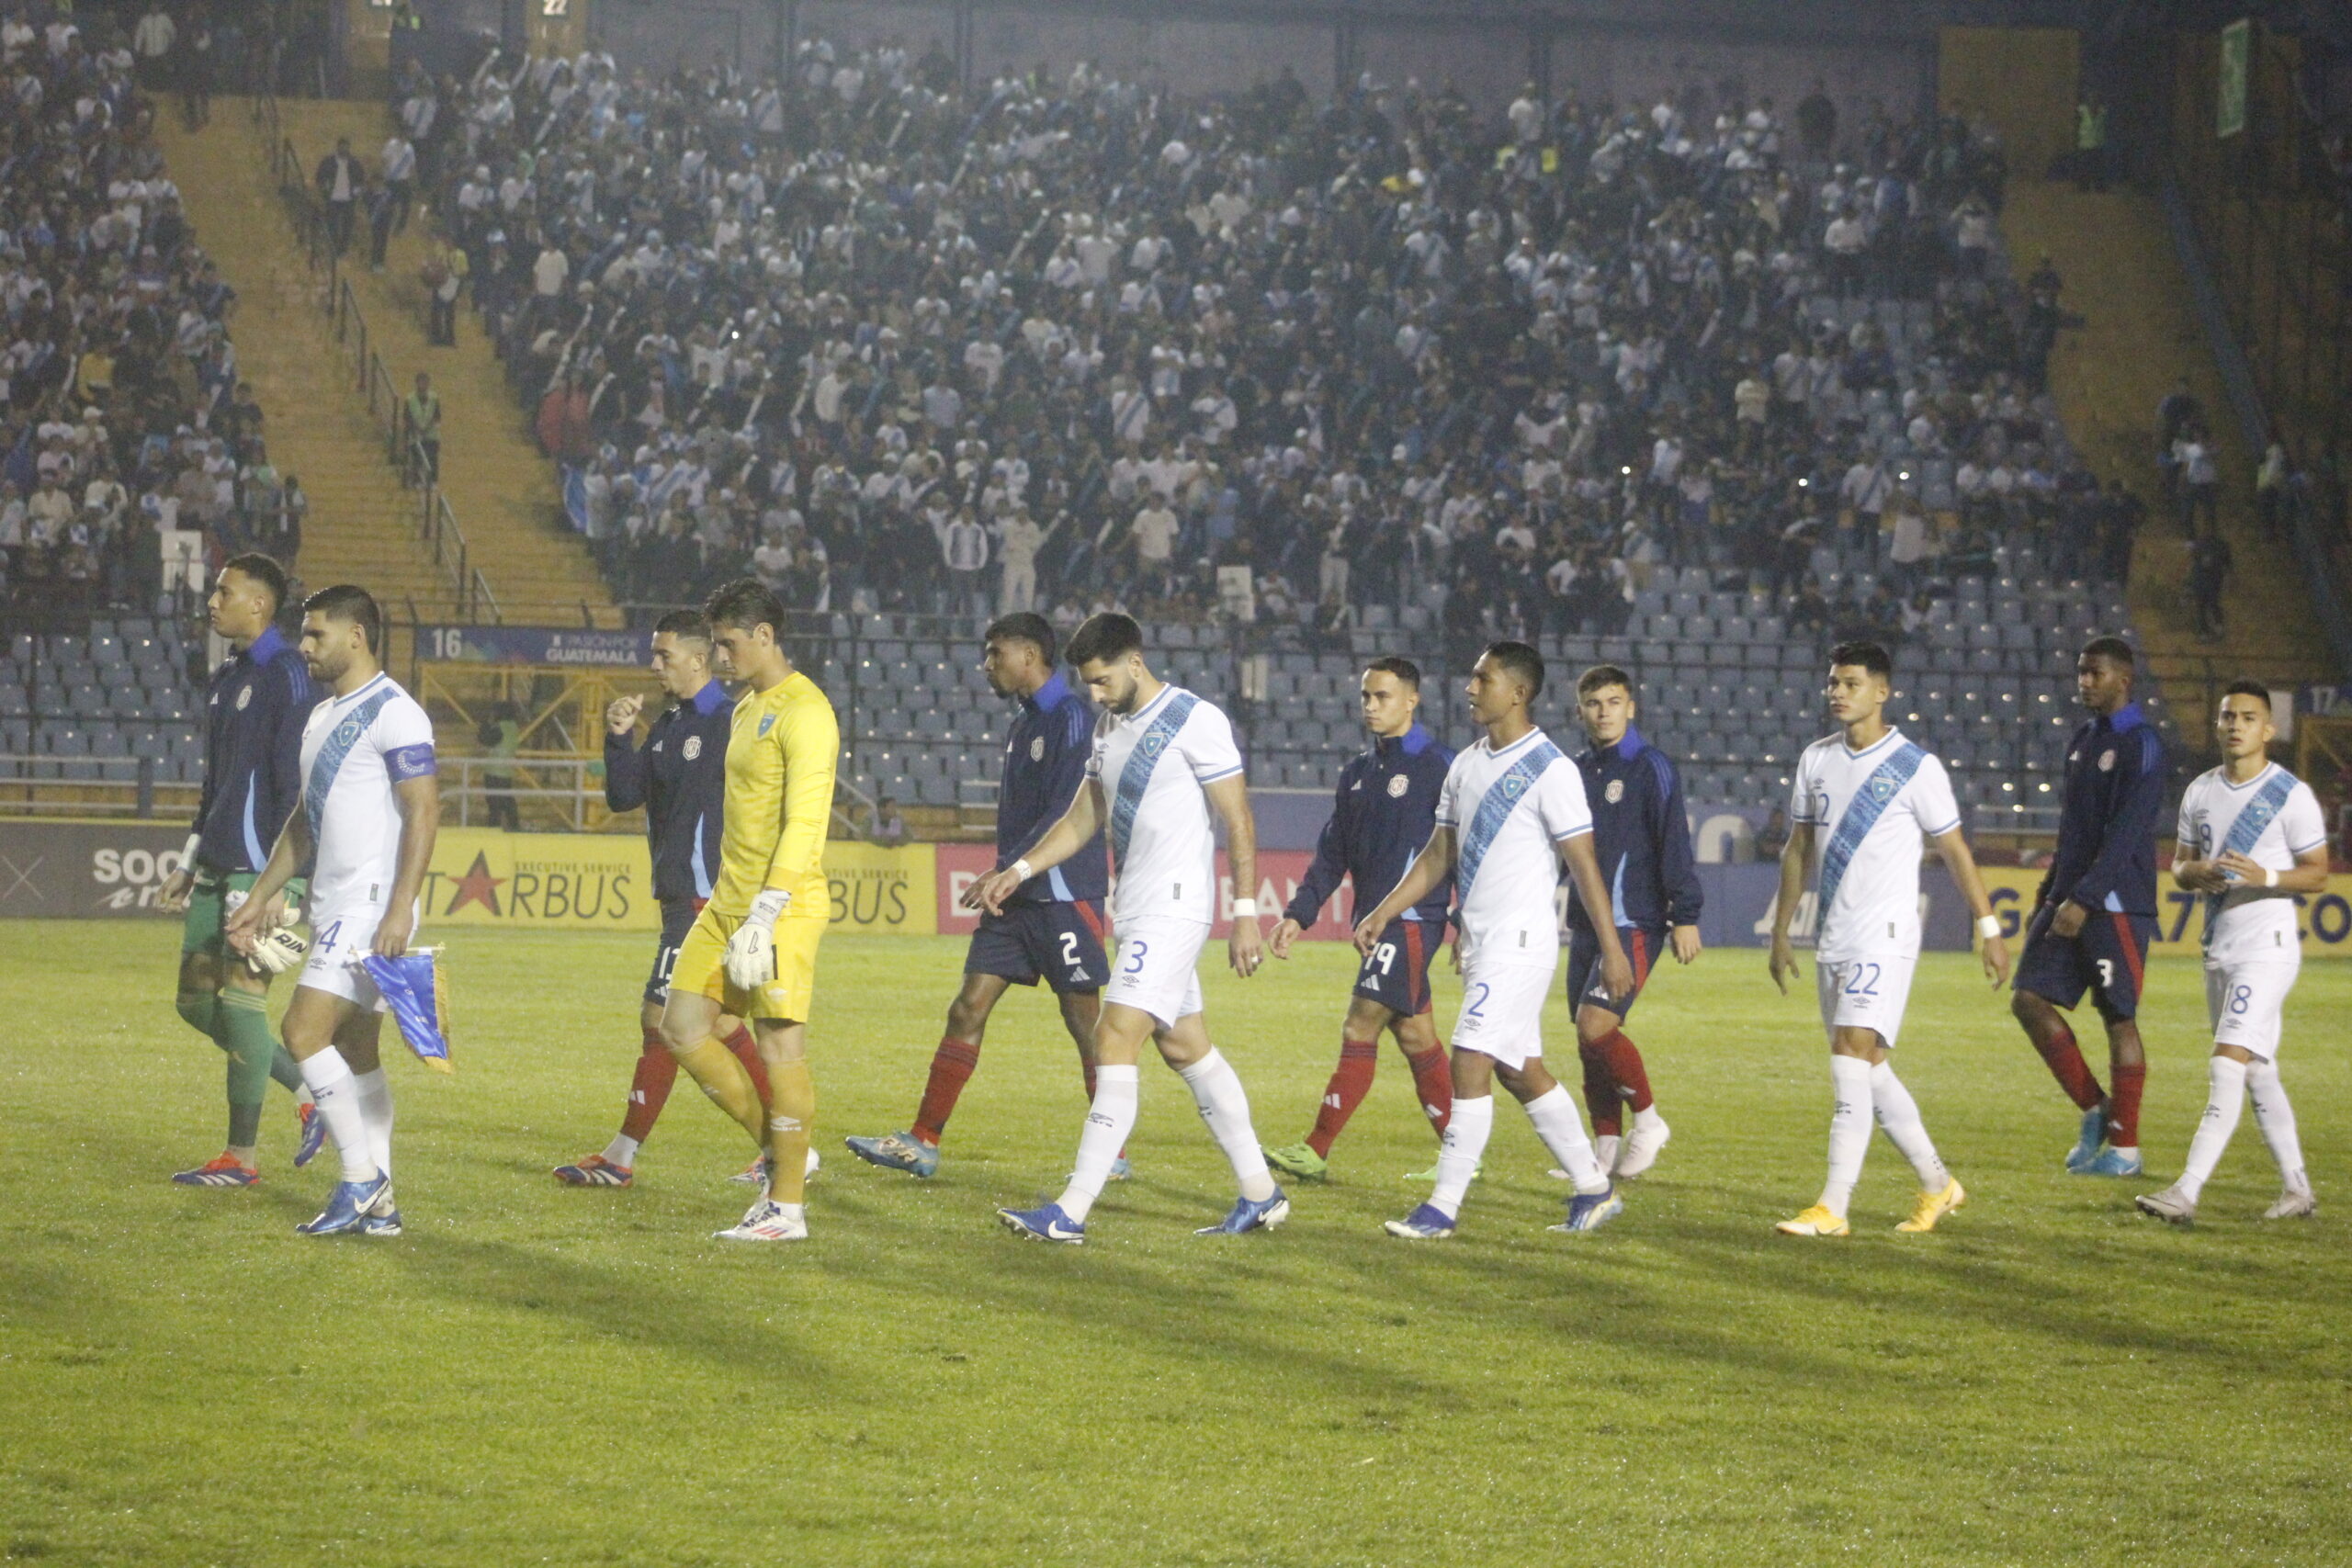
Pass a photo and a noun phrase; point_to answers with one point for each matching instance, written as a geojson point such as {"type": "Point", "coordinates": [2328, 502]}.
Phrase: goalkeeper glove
{"type": "Point", "coordinates": [279, 951]}
{"type": "Point", "coordinates": [751, 951]}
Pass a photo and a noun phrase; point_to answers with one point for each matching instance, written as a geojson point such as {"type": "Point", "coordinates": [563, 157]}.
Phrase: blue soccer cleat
{"type": "Point", "coordinates": [1048, 1224]}
{"type": "Point", "coordinates": [2112, 1162]}
{"type": "Point", "coordinates": [1591, 1211]}
{"type": "Point", "coordinates": [2086, 1147]}
{"type": "Point", "coordinates": [1251, 1215]}
{"type": "Point", "coordinates": [221, 1171]}
{"type": "Point", "coordinates": [1428, 1222]}
{"type": "Point", "coordinates": [594, 1170]}
{"type": "Point", "coordinates": [350, 1204]}
{"type": "Point", "coordinates": [386, 1223]}
{"type": "Point", "coordinates": [315, 1134]}
{"type": "Point", "coordinates": [898, 1151]}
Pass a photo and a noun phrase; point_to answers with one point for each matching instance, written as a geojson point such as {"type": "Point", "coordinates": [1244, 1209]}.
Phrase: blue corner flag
{"type": "Point", "coordinates": [412, 987]}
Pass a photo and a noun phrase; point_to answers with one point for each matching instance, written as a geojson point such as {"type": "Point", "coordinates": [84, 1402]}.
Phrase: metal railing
{"type": "Point", "coordinates": [42, 784]}
{"type": "Point", "coordinates": [560, 793]}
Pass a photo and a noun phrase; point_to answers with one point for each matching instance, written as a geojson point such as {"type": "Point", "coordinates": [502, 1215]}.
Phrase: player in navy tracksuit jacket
{"type": "Point", "coordinates": [2096, 912]}
{"type": "Point", "coordinates": [1641, 838]}
{"type": "Point", "coordinates": [679, 777]}
{"type": "Point", "coordinates": [1052, 927]}
{"type": "Point", "coordinates": [1382, 813]}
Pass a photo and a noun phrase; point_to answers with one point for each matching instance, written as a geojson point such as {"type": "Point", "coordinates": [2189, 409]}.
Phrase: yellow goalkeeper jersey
{"type": "Point", "coordinates": [780, 760]}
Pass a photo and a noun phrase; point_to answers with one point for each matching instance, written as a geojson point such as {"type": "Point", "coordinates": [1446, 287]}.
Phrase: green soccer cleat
{"type": "Point", "coordinates": [1301, 1161]}
{"type": "Point", "coordinates": [1429, 1178]}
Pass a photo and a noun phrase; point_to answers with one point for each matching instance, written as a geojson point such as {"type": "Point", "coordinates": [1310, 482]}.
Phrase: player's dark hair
{"type": "Point", "coordinates": [745, 604]}
{"type": "Point", "coordinates": [1405, 670]}
{"type": "Point", "coordinates": [2115, 651]}
{"type": "Point", "coordinates": [2248, 689]}
{"type": "Point", "coordinates": [264, 571]}
{"type": "Point", "coordinates": [1601, 675]}
{"type": "Point", "coordinates": [1105, 636]}
{"type": "Point", "coordinates": [349, 601]}
{"type": "Point", "coordinates": [684, 623]}
{"type": "Point", "coordinates": [1522, 661]}
{"type": "Point", "coordinates": [1023, 626]}
{"type": "Point", "coordinates": [1871, 656]}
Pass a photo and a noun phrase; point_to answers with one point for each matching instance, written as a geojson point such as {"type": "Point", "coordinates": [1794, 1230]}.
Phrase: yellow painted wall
{"type": "Point", "coordinates": [2022, 80]}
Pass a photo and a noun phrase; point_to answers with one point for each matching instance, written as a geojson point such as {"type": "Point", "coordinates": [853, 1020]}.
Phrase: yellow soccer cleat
{"type": "Point", "coordinates": [1819, 1220]}
{"type": "Point", "coordinates": [1934, 1206]}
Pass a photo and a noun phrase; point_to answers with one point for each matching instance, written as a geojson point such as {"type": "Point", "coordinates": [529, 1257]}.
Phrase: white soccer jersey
{"type": "Point", "coordinates": [1152, 765]}
{"type": "Point", "coordinates": [2270, 819]}
{"type": "Point", "coordinates": [354, 749]}
{"type": "Point", "coordinates": [1509, 810]}
{"type": "Point", "coordinates": [1868, 810]}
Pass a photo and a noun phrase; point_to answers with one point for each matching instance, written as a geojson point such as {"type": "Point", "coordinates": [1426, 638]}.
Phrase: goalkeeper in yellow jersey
{"type": "Point", "coordinates": [752, 951]}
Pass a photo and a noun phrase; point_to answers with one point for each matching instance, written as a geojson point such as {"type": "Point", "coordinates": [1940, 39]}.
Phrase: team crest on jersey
{"type": "Point", "coordinates": [347, 734]}
{"type": "Point", "coordinates": [768, 722]}
{"type": "Point", "coordinates": [692, 748]}
{"type": "Point", "coordinates": [2107, 760]}
{"type": "Point", "coordinates": [1398, 786]}
{"type": "Point", "coordinates": [1152, 745]}
{"type": "Point", "coordinates": [1883, 788]}
{"type": "Point", "coordinates": [1037, 748]}
{"type": "Point", "coordinates": [1514, 785]}
{"type": "Point", "coordinates": [244, 696]}
{"type": "Point", "coordinates": [1615, 792]}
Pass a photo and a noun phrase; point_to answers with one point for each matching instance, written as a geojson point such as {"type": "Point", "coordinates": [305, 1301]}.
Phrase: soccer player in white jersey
{"type": "Point", "coordinates": [1514, 808]}
{"type": "Point", "coordinates": [370, 806]}
{"type": "Point", "coordinates": [1861, 801]}
{"type": "Point", "coordinates": [2252, 836]}
{"type": "Point", "coordinates": [1163, 761]}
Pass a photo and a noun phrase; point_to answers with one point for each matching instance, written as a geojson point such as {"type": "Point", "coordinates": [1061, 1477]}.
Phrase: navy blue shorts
{"type": "Point", "coordinates": [1642, 944]}
{"type": "Point", "coordinates": [2109, 958]}
{"type": "Point", "coordinates": [677, 920]}
{"type": "Point", "coordinates": [1396, 973]}
{"type": "Point", "coordinates": [1060, 943]}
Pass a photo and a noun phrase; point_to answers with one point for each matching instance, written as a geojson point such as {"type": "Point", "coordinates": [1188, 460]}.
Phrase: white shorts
{"type": "Point", "coordinates": [1157, 968]}
{"type": "Point", "coordinates": [1866, 993]}
{"type": "Point", "coordinates": [2246, 997]}
{"type": "Point", "coordinates": [339, 940]}
{"type": "Point", "coordinates": [1502, 1010]}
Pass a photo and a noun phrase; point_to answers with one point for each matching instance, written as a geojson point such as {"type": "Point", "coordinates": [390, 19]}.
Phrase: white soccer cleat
{"type": "Point", "coordinates": [766, 1221]}
{"type": "Point", "coordinates": [2172, 1205]}
{"type": "Point", "coordinates": [1642, 1145]}
{"type": "Point", "coordinates": [2292, 1205]}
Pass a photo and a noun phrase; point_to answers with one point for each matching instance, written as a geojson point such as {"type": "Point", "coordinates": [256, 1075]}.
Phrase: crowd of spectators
{"type": "Point", "coordinates": [127, 444]}
{"type": "Point", "coordinates": [1064, 341]}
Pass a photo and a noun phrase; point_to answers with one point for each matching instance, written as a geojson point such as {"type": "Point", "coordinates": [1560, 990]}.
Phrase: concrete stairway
{"type": "Point", "coordinates": [503, 492]}
{"type": "Point", "coordinates": [2141, 337]}
{"type": "Point", "coordinates": [362, 527]}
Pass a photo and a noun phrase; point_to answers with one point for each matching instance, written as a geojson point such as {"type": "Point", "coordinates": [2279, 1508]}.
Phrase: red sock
{"type": "Point", "coordinates": [747, 1050]}
{"type": "Point", "coordinates": [1350, 1083]}
{"type": "Point", "coordinates": [951, 1066]}
{"type": "Point", "coordinates": [657, 1069]}
{"type": "Point", "coordinates": [1600, 1098]}
{"type": "Point", "coordinates": [1433, 1085]}
{"type": "Point", "coordinates": [2123, 1105]}
{"type": "Point", "coordinates": [2073, 1074]}
{"type": "Point", "coordinates": [1625, 1067]}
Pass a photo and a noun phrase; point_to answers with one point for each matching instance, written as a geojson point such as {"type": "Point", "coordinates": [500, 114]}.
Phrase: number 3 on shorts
{"type": "Point", "coordinates": [2106, 974]}
{"type": "Point", "coordinates": [1136, 949]}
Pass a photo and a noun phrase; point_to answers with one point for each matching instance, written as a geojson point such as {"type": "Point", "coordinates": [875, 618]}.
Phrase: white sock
{"type": "Point", "coordinates": [1562, 1130]}
{"type": "Point", "coordinates": [2277, 1120]}
{"type": "Point", "coordinates": [621, 1151]}
{"type": "Point", "coordinates": [1466, 1133]}
{"type": "Point", "coordinates": [1108, 1123]}
{"type": "Point", "coordinates": [376, 1104]}
{"type": "Point", "coordinates": [2225, 1098]}
{"type": "Point", "coordinates": [1648, 1118]}
{"type": "Point", "coordinates": [1899, 1114]}
{"type": "Point", "coordinates": [1850, 1131]}
{"type": "Point", "coordinates": [1225, 1106]}
{"type": "Point", "coordinates": [329, 1078]}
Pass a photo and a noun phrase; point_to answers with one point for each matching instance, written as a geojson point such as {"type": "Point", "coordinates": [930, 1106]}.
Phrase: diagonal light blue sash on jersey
{"type": "Point", "coordinates": [1136, 775]}
{"type": "Point", "coordinates": [2258, 814]}
{"type": "Point", "coordinates": [1862, 812]}
{"type": "Point", "coordinates": [330, 760]}
{"type": "Point", "coordinates": [1495, 807]}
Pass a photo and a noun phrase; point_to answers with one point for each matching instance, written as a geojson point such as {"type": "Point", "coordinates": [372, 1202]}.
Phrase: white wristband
{"type": "Point", "coordinates": [1245, 908]}
{"type": "Point", "coordinates": [1021, 869]}
{"type": "Point", "coordinates": [2270, 876]}
{"type": "Point", "coordinates": [187, 852]}
{"type": "Point", "coordinates": [1988, 926]}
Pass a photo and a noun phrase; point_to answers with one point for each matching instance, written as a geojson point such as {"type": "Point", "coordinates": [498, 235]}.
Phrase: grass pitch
{"type": "Point", "coordinates": [539, 1375]}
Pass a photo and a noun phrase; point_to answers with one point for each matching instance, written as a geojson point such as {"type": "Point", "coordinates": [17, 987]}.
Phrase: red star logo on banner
{"type": "Point", "coordinates": [476, 886]}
